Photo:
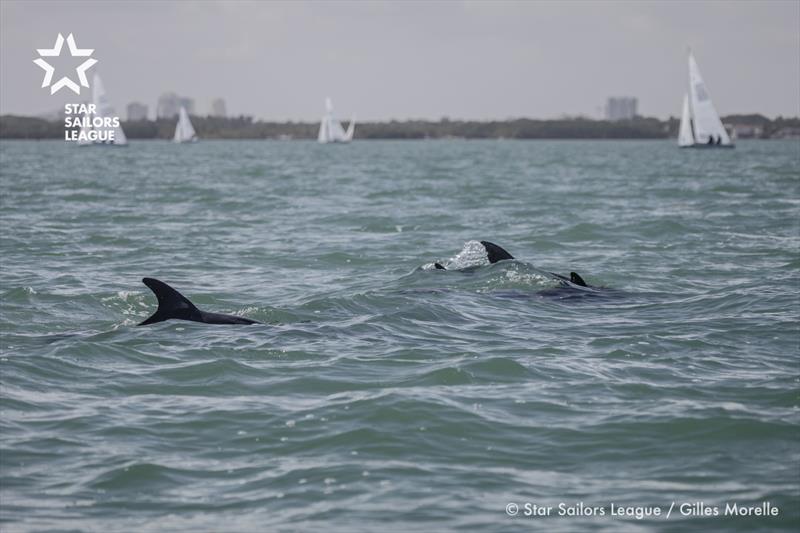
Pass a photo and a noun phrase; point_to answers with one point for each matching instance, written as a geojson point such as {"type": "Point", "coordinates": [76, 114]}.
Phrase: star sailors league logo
{"type": "Point", "coordinates": [56, 52]}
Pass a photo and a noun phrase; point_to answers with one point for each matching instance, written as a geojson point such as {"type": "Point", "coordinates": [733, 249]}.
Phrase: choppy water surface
{"type": "Point", "coordinates": [379, 392]}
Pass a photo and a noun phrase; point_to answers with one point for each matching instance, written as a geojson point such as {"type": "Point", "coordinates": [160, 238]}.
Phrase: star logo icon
{"type": "Point", "coordinates": [56, 52]}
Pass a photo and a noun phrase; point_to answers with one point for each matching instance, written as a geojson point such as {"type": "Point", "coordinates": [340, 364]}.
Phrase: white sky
{"type": "Point", "coordinates": [384, 60]}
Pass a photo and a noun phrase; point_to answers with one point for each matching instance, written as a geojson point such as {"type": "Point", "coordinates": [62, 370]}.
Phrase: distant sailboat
{"type": "Point", "coordinates": [184, 131]}
{"type": "Point", "coordinates": [104, 110]}
{"type": "Point", "coordinates": [331, 130]}
{"type": "Point", "coordinates": [700, 126]}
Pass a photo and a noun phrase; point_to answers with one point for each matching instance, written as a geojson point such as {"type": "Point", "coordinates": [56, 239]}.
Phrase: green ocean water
{"type": "Point", "coordinates": [380, 393]}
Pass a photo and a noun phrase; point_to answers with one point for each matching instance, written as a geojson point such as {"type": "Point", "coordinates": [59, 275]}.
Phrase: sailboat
{"type": "Point", "coordinates": [104, 110]}
{"type": "Point", "coordinates": [700, 126]}
{"type": "Point", "coordinates": [331, 130]}
{"type": "Point", "coordinates": [184, 131]}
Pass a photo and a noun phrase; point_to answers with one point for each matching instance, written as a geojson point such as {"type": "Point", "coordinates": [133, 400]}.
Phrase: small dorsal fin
{"type": "Point", "coordinates": [171, 303]}
{"type": "Point", "coordinates": [576, 279]}
{"type": "Point", "coordinates": [439, 266]}
{"type": "Point", "coordinates": [495, 253]}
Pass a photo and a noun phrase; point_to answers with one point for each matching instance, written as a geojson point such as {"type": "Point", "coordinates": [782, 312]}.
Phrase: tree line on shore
{"type": "Point", "coordinates": [243, 127]}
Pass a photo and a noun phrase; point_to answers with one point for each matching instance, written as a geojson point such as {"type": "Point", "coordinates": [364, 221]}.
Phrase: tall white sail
{"type": "Point", "coordinates": [707, 126]}
{"type": "Point", "coordinates": [104, 110]}
{"type": "Point", "coordinates": [322, 136]}
{"type": "Point", "coordinates": [685, 136]}
{"type": "Point", "coordinates": [330, 129]}
{"type": "Point", "coordinates": [119, 136]}
{"type": "Point", "coordinates": [351, 129]}
{"type": "Point", "coordinates": [184, 131]}
{"type": "Point", "coordinates": [336, 130]}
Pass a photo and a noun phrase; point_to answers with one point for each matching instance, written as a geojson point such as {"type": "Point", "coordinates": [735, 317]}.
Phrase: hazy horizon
{"type": "Point", "coordinates": [277, 61]}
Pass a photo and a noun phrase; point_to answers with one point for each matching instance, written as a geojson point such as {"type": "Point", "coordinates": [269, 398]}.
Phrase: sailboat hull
{"type": "Point", "coordinates": [709, 146]}
{"type": "Point", "coordinates": [120, 145]}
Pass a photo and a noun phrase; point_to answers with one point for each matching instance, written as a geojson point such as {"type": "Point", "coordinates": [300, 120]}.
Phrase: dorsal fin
{"type": "Point", "coordinates": [438, 266]}
{"type": "Point", "coordinates": [495, 252]}
{"type": "Point", "coordinates": [171, 303]}
{"type": "Point", "coordinates": [576, 279]}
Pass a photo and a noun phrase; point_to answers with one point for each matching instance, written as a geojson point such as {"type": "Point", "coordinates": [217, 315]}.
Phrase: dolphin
{"type": "Point", "coordinates": [172, 304]}
{"type": "Point", "coordinates": [496, 253]}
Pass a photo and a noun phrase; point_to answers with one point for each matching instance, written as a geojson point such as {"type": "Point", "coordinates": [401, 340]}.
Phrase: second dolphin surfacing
{"type": "Point", "coordinates": [496, 253]}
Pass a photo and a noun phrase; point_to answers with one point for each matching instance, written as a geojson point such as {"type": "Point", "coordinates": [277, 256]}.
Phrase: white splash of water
{"type": "Point", "coordinates": [473, 254]}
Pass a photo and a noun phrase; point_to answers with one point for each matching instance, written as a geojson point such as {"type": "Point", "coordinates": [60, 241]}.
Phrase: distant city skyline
{"type": "Point", "coordinates": [137, 111]}
{"type": "Point", "coordinates": [621, 108]}
{"type": "Point", "coordinates": [277, 61]}
{"type": "Point", "coordinates": [169, 105]}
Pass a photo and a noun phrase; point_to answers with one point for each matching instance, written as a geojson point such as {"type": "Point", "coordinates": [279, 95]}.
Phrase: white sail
{"type": "Point", "coordinates": [104, 110]}
{"type": "Point", "coordinates": [337, 131]}
{"type": "Point", "coordinates": [323, 131]}
{"type": "Point", "coordinates": [324, 135]}
{"type": "Point", "coordinates": [685, 136]}
{"type": "Point", "coordinates": [707, 126]}
{"type": "Point", "coordinates": [330, 129]}
{"type": "Point", "coordinates": [119, 136]}
{"type": "Point", "coordinates": [351, 129]}
{"type": "Point", "coordinates": [184, 131]}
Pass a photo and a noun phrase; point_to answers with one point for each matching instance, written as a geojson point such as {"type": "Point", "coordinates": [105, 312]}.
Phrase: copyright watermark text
{"type": "Point", "coordinates": [641, 512]}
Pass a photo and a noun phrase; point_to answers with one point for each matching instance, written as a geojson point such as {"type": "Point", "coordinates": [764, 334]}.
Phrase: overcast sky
{"type": "Point", "coordinates": [384, 60]}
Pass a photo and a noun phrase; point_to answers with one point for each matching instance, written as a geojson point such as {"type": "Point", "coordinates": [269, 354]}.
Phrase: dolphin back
{"type": "Point", "coordinates": [171, 303]}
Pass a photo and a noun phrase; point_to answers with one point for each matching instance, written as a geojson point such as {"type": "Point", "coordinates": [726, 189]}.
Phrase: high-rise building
{"type": "Point", "coordinates": [137, 111]}
{"type": "Point", "coordinates": [218, 108]}
{"type": "Point", "coordinates": [168, 106]}
{"type": "Point", "coordinates": [188, 103]}
{"type": "Point", "coordinates": [621, 108]}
